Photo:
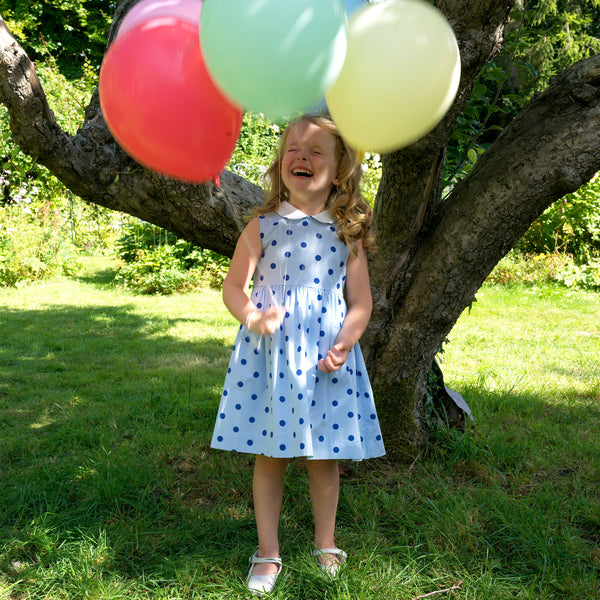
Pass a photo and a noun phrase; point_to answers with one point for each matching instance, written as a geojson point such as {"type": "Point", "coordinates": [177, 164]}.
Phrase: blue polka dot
{"type": "Point", "coordinates": [281, 398]}
{"type": "Point", "coordinates": [250, 442]}
{"type": "Point", "coordinates": [251, 419]}
{"type": "Point", "coordinates": [302, 267]}
{"type": "Point", "coordinates": [282, 447]}
{"type": "Point", "coordinates": [303, 245]}
{"type": "Point", "coordinates": [318, 257]}
{"type": "Point", "coordinates": [282, 423]}
{"type": "Point", "coordinates": [336, 426]}
{"type": "Point", "coordinates": [273, 266]}
{"type": "Point", "coordinates": [222, 416]}
{"type": "Point", "coordinates": [336, 449]}
{"type": "Point", "coordinates": [350, 415]}
{"type": "Point", "coordinates": [236, 429]}
{"type": "Point", "coordinates": [238, 407]}
{"type": "Point", "coordinates": [350, 438]}
{"type": "Point", "coordinates": [321, 438]}
{"type": "Point", "coordinates": [288, 254]}
{"type": "Point", "coordinates": [298, 371]}
{"type": "Point", "coordinates": [220, 438]}
{"type": "Point", "coordinates": [333, 249]}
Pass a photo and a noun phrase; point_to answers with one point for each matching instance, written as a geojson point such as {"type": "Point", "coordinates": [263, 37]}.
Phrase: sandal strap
{"type": "Point", "coordinates": [256, 560]}
{"type": "Point", "coordinates": [334, 551]}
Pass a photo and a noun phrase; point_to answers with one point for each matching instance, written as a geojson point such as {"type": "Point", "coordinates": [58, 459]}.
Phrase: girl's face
{"type": "Point", "coordinates": [309, 163]}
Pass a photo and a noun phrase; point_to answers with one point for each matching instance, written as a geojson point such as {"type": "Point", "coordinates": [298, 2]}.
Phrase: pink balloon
{"type": "Point", "coordinates": [161, 105]}
{"type": "Point", "coordinates": [185, 10]}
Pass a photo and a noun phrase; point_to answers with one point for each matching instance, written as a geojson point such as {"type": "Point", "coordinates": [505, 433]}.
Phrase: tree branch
{"type": "Point", "coordinates": [93, 166]}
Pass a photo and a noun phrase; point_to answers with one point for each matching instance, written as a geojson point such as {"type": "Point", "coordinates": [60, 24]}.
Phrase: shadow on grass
{"type": "Point", "coordinates": [105, 420]}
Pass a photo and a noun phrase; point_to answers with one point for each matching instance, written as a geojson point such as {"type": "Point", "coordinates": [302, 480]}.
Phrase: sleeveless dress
{"type": "Point", "coordinates": [275, 401]}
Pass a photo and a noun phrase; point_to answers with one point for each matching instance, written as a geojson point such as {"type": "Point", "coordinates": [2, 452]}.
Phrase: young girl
{"type": "Point", "coordinates": [297, 385]}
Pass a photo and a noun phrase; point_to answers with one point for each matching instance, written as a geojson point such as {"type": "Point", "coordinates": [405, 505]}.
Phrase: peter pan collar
{"type": "Point", "coordinates": [289, 211]}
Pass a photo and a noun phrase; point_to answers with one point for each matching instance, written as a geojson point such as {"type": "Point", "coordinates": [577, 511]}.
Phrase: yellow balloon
{"type": "Point", "coordinates": [399, 78]}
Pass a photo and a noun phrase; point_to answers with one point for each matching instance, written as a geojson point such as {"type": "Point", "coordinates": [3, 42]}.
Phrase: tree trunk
{"type": "Point", "coordinates": [434, 252]}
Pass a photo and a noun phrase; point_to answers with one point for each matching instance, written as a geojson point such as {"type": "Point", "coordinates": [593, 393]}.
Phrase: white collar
{"type": "Point", "coordinates": [289, 211]}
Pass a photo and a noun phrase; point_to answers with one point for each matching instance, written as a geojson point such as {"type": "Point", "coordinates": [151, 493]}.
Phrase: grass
{"type": "Point", "coordinates": [109, 489]}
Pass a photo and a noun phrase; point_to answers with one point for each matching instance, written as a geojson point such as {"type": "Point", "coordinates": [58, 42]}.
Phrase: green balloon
{"type": "Point", "coordinates": [275, 57]}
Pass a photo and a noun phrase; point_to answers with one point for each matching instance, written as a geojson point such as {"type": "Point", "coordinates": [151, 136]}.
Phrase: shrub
{"type": "Point", "coordinates": [30, 252]}
{"type": "Point", "coordinates": [537, 269]}
{"type": "Point", "coordinates": [156, 262]}
{"type": "Point", "coordinates": [570, 226]}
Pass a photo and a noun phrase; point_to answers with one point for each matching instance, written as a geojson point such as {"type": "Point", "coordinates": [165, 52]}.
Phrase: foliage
{"type": "Point", "coordinates": [30, 251]}
{"type": "Point", "coordinates": [540, 269]}
{"type": "Point", "coordinates": [256, 147]}
{"type": "Point", "coordinates": [570, 226]}
{"type": "Point", "coordinates": [542, 38]}
{"type": "Point", "coordinates": [156, 262]}
{"type": "Point", "coordinates": [74, 32]}
{"type": "Point", "coordinates": [42, 224]}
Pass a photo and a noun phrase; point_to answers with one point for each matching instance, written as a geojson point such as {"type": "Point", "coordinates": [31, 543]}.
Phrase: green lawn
{"type": "Point", "coordinates": [109, 489]}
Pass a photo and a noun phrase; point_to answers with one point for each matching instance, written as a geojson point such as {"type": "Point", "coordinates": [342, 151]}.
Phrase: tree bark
{"type": "Point", "coordinates": [434, 252]}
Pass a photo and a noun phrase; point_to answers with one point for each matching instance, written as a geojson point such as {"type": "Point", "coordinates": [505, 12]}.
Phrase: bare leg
{"type": "Point", "coordinates": [324, 478]}
{"type": "Point", "coordinates": [268, 496]}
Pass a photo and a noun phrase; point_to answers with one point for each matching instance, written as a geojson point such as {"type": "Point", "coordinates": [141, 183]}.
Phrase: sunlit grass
{"type": "Point", "coordinates": [109, 489]}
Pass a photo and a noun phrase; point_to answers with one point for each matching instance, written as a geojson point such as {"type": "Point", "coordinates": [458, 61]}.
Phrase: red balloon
{"type": "Point", "coordinates": [161, 105]}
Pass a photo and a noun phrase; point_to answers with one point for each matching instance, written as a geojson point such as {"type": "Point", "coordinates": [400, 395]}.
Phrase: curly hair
{"type": "Point", "coordinates": [351, 212]}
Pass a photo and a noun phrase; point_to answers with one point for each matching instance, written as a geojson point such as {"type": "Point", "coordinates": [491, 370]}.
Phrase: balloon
{"type": "Point", "coordinates": [400, 76]}
{"type": "Point", "coordinates": [276, 57]}
{"type": "Point", "coordinates": [161, 105]}
{"type": "Point", "coordinates": [352, 5]}
{"type": "Point", "coordinates": [186, 10]}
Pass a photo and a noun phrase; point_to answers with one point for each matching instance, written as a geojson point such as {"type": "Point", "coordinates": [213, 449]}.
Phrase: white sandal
{"type": "Point", "coordinates": [331, 568]}
{"type": "Point", "coordinates": [262, 584]}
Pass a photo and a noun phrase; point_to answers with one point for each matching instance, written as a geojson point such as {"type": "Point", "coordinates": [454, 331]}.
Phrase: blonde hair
{"type": "Point", "coordinates": [351, 212]}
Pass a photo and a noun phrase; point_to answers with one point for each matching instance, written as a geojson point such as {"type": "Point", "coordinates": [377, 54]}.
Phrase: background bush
{"type": "Point", "coordinates": [157, 262]}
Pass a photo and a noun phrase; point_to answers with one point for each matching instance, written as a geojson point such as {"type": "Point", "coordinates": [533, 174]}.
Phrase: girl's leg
{"type": "Point", "coordinates": [324, 485]}
{"type": "Point", "coordinates": [268, 496]}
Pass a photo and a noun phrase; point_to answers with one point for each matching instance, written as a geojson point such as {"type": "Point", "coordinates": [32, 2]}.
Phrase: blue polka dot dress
{"type": "Point", "coordinates": [275, 400]}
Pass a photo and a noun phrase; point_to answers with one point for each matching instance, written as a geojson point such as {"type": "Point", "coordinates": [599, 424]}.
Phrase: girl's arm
{"type": "Point", "coordinates": [360, 303]}
{"type": "Point", "coordinates": [235, 287]}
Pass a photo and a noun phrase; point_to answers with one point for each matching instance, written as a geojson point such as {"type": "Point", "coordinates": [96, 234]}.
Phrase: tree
{"type": "Point", "coordinates": [435, 250]}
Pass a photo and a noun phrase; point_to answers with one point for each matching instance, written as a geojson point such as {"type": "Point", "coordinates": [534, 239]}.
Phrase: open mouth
{"type": "Point", "coordinates": [302, 173]}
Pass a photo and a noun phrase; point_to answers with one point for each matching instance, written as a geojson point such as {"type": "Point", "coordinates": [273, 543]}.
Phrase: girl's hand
{"type": "Point", "coordinates": [335, 358]}
{"type": "Point", "coordinates": [265, 323]}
